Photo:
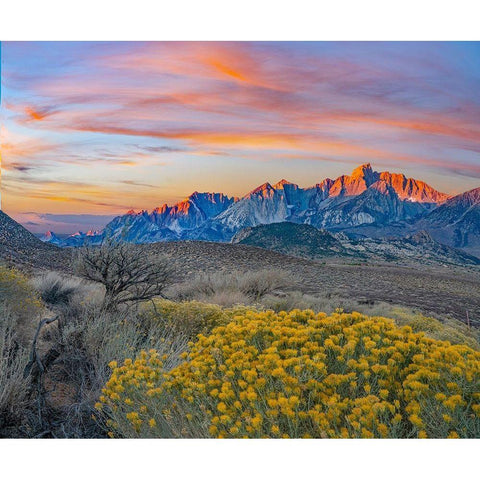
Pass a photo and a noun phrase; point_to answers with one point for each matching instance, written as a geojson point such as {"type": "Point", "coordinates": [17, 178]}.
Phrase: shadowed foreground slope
{"type": "Point", "coordinates": [19, 247]}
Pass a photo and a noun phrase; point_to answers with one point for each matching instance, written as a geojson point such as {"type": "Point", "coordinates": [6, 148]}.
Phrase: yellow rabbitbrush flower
{"type": "Point", "coordinates": [279, 375]}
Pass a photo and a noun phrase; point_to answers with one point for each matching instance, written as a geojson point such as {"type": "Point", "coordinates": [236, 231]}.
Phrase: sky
{"type": "Point", "coordinates": [91, 130]}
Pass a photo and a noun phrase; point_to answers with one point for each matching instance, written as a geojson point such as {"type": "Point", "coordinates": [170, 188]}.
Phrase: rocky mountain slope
{"type": "Point", "coordinates": [456, 222]}
{"type": "Point", "coordinates": [414, 249]}
{"type": "Point", "coordinates": [309, 242]}
{"type": "Point", "coordinates": [20, 247]}
{"type": "Point", "coordinates": [364, 198]}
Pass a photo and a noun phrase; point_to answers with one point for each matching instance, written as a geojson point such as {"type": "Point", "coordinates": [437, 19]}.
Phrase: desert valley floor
{"type": "Point", "coordinates": [434, 290]}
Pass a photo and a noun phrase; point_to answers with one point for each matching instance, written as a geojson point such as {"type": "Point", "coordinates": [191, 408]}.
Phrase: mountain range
{"type": "Point", "coordinates": [364, 204]}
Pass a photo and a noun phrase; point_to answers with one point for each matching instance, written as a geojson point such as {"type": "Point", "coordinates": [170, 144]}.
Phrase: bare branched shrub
{"type": "Point", "coordinates": [128, 275]}
{"type": "Point", "coordinates": [258, 284]}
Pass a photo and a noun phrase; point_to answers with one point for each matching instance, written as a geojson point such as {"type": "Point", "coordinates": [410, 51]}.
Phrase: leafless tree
{"type": "Point", "coordinates": [129, 275]}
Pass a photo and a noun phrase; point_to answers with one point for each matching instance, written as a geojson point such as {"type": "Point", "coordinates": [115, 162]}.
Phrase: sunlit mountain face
{"type": "Point", "coordinates": [90, 131]}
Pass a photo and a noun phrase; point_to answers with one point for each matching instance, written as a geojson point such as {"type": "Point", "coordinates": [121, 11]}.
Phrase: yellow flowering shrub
{"type": "Point", "coordinates": [18, 295]}
{"type": "Point", "coordinates": [449, 330]}
{"type": "Point", "coordinates": [189, 317]}
{"type": "Point", "coordinates": [298, 374]}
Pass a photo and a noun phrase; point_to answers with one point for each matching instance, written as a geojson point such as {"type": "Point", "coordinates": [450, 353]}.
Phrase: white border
{"type": "Point", "coordinates": [239, 20]}
{"type": "Point", "coordinates": [239, 459]}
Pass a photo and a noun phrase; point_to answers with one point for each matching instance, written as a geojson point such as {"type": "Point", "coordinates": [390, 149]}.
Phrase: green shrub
{"type": "Point", "coordinates": [21, 300]}
{"type": "Point", "coordinates": [189, 318]}
{"type": "Point", "coordinates": [17, 294]}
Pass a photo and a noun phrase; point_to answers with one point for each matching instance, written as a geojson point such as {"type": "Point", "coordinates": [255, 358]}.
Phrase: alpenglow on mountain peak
{"type": "Point", "coordinates": [365, 197]}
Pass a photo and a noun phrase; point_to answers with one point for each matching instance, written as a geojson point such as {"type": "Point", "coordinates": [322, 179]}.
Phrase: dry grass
{"type": "Point", "coordinates": [88, 337]}
{"type": "Point", "coordinates": [13, 386]}
{"type": "Point", "coordinates": [55, 289]}
{"type": "Point", "coordinates": [228, 289]}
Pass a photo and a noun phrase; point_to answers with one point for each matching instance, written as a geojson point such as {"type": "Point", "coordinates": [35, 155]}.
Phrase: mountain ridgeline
{"type": "Point", "coordinates": [364, 204]}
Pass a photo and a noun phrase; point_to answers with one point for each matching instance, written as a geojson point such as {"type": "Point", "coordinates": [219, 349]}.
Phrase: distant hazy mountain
{"type": "Point", "coordinates": [366, 204]}
{"type": "Point", "coordinates": [456, 222]}
{"type": "Point", "coordinates": [50, 237]}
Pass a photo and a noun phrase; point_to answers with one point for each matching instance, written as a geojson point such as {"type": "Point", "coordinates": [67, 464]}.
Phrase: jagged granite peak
{"type": "Point", "coordinates": [413, 190]}
{"type": "Point", "coordinates": [49, 236]}
{"type": "Point", "coordinates": [356, 183]}
{"type": "Point", "coordinates": [325, 184]}
{"type": "Point", "coordinates": [466, 199]}
{"type": "Point", "coordinates": [262, 205]}
{"type": "Point", "coordinates": [263, 190]}
{"type": "Point", "coordinates": [366, 173]}
{"type": "Point", "coordinates": [160, 210]}
{"type": "Point", "coordinates": [281, 184]}
{"type": "Point", "coordinates": [455, 208]}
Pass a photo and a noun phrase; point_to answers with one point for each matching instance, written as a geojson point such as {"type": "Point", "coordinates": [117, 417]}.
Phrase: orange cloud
{"type": "Point", "coordinates": [230, 72]}
{"type": "Point", "coordinates": [34, 114]}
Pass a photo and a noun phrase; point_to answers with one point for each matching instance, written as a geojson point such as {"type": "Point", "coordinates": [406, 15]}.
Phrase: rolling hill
{"type": "Point", "coordinates": [309, 242]}
{"type": "Point", "coordinates": [291, 238]}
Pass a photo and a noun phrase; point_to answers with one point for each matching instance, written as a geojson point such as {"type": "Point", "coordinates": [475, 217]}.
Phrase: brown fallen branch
{"type": "Point", "coordinates": [37, 366]}
{"type": "Point", "coordinates": [34, 358]}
